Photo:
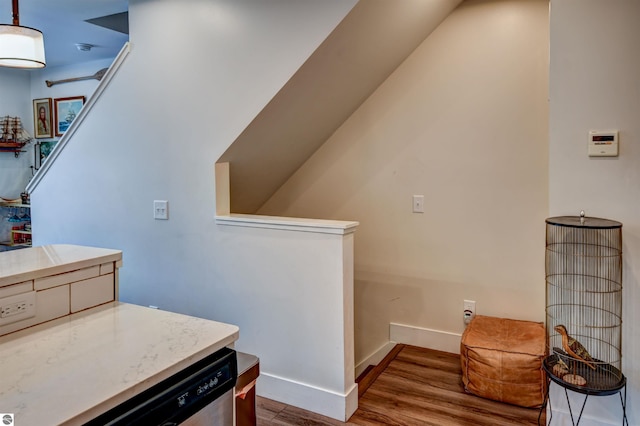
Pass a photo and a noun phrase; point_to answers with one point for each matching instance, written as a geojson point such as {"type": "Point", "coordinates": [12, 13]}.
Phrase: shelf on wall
{"type": "Point", "coordinates": [13, 204]}
{"type": "Point", "coordinates": [15, 147]}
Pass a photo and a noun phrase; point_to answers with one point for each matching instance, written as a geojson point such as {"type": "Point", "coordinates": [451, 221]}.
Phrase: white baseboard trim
{"type": "Point", "coordinates": [375, 358]}
{"type": "Point", "coordinates": [311, 398]}
{"type": "Point", "coordinates": [425, 337]}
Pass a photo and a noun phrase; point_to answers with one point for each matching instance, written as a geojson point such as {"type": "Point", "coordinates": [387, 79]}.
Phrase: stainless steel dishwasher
{"type": "Point", "coordinates": [201, 394]}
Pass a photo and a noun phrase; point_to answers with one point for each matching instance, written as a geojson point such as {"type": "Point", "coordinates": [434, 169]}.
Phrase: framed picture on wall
{"type": "Point", "coordinates": [43, 149]}
{"type": "Point", "coordinates": [42, 123]}
{"type": "Point", "coordinates": [66, 110]}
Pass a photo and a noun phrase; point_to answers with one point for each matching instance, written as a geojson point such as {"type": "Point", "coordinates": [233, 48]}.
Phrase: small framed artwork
{"type": "Point", "coordinates": [66, 110]}
{"type": "Point", "coordinates": [42, 122]}
{"type": "Point", "coordinates": [43, 149]}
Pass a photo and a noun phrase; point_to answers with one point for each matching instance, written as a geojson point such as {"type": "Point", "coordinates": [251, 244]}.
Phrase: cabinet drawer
{"type": "Point", "coordinates": [92, 292]}
{"type": "Point", "coordinates": [66, 278]}
{"type": "Point", "coordinates": [50, 304]}
{"type": "Point", "coordinates": [14, 289]}
{"type": "Point", "coordinates": [106, 268]}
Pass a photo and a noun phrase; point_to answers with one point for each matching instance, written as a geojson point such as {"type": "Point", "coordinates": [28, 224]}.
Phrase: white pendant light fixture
{"type": "Point", "coordinates": [20, 47]}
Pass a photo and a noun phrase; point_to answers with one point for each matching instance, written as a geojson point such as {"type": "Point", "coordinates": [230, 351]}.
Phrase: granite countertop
{"type": "Point", "coordinates": [69, 370]}
{"type": "Point", "coordinates": [35, 262]}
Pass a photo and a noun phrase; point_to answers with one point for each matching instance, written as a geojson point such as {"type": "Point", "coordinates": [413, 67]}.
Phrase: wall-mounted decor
{"type": "Point", "coordinates": [66, 110]}
{"type": "Point", "coordinates": [42, 123]}
{"type": "Point", "coordinates": [97, 76]}
{"type": "Point", "coordinates": [42, 149]}
{"type": "Point", "coordinates": [13, 136]}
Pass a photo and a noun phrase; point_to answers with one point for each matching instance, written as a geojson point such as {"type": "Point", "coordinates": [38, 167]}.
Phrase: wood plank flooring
{"type": "Point", "coordinates": [418, 387]}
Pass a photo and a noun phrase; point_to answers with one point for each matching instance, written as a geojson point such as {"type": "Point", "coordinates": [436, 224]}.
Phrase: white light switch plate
{"type": "Point", "coordinates": [418, 203]}
{"type": "Point", "coordinates": [161, 209]}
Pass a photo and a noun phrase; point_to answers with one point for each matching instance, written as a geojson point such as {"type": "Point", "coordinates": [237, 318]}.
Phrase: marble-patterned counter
{"type": "Point", "coordinates": [39, 284]}
{"type": "Point", "coordinates": [71, 369]}
{"type": "Point", "coordinates": [36, 262]}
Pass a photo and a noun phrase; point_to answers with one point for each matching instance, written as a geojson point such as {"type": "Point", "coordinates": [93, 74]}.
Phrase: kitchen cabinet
{"type": "Point", "coordinates": [72, 369]}
{"type": "Point", "coordinates": [83, 352]}
{"type": "Point", "coordinates": [38, 284]}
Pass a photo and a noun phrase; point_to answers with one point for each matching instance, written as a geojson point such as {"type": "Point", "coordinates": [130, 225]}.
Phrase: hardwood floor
{"type": "Point", "coordinates": [418, 387]}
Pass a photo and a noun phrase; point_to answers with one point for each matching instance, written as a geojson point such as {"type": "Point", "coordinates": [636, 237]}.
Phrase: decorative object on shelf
{"type": "Point", "coordinates": [560, 369]}
{"type": "Point", "coordinates": [42, 122]}
{"type": "Point", "coordinates": [20, 236]}
{"type": "Point", "coordinates": [97, 76]}
{"type": "Point", "coordinates": [16, 212]}
{"type": "Point", "coordinates": [575, 379]}
{"type": "Point", "coordinates": [583, 269]}
{"type": "Point", "coordinates": [20, 47]}
{"type": "Point", "coordinates": [4, 201]}
{"type": "Point", "coordinates": [66, 110]}
{"type": "Point", "coordinates": [13, 137]}
{"type": "Point", "coordinates": [584, 296]}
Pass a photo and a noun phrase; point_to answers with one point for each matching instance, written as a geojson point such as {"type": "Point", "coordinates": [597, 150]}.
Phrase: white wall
{"type": "Point", "coordinates": [15, 102]}
{"type": "Point", "coordinates": [464, 122]}
{"type": "Point", "coordinates": [18, 88]}
{"type": "Point", "coordinates": [39, 89]}
{"type": "Point", "coordinates": [595, 85]}
{"type": "Point", "coordinates": [184, 93]}
{"type": "Point", "coordinates": [295, 306]}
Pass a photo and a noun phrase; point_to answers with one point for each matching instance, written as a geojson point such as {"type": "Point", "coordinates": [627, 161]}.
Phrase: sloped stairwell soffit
{"type": "Point", "coordinates": [361, 52]}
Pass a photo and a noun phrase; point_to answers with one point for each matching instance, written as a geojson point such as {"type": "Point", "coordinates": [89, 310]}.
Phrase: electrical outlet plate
{"type": "Point", "coordinates": [470, 305]}
{"type": "Point", "coordinates": [17, 307]}
{"type": "Point", "coordinates": [468, 310]}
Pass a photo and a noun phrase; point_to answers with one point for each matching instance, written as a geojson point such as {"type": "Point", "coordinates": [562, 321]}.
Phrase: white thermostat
{"type": "Point", "coordinates": [603, 144]}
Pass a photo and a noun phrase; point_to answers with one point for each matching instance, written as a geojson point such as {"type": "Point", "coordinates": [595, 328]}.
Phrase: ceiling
{"type": "Point", "coordinates": [63, 24]}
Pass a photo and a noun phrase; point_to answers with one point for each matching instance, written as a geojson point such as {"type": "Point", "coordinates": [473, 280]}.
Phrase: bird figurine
{"type": "Point", "coordinates": [573, 347]}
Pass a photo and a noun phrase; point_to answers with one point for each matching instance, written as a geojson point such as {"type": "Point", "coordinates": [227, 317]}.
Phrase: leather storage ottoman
{"type": "Point", "coordinates": [502, 360]}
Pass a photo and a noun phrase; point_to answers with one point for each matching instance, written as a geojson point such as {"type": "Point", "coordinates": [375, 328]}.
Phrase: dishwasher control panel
{"type": "Point", "coordinates": [204, 387]}
{"type": "Point", "coordinates": [179, 397]}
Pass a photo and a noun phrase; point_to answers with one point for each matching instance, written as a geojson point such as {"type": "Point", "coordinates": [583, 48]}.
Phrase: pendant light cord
{"type": "Point", "coordinates": [16, 14]}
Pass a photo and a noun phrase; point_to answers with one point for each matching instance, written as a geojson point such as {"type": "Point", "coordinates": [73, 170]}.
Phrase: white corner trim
{"type": "Point", "coordinates": [311, 398]}
{"type": "Point", "coordinates": [375, 358]}
{"type": "Point", "coordinates": [321, 226]}
{"type": "Point", "coordinates": [104, 82]}
{"type": "Point", "coordinates": [425, 338]}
